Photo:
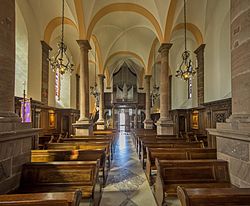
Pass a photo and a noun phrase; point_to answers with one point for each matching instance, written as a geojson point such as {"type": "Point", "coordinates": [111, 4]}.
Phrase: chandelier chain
{"type": "Point", "coordinates": [62, 38]}
{"type": "Point", "coordinates": [185, 24]}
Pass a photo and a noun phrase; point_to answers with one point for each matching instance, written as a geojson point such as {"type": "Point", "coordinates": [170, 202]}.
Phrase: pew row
{"type": "Point", "coordinates": [38, 177]}
{"type": "Point", "coordinates": [176, 154]}
{"type": "Point", "coordinates": [167, 144]}
{"type": "Point", "coordinates": [72, 155]}
{"type": "Point", "coordinates": [214, 196]}
{"type": "Point", "coordinates": [141, 139]}
{"type": "Point", "coordinates": [82, 146]}
{"type": "Point", "coordinates": [93, 139]}
{"type": "Point", "coordinates": [45, 199]}
{"type": "Point", "coordinates": [189, 174]}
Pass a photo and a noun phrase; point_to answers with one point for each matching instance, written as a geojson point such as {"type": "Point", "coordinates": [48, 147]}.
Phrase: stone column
{"type": "Point", "coordinates": [200, 73]}
{"type": "Point", "coordinates": [7, 66]}
{"type": "Point", "coordinates": [148, 123]}
{"type": "Point", "coordinates": [100, 122]}
{"type": "Point", "coordinates": [233, 137]}
{"type": "Point", "coordinates": [164, 124]}
{"type": "Point", "coordinates": [45, 72]}
{"type": "Point", "coordinates": [84, 125]}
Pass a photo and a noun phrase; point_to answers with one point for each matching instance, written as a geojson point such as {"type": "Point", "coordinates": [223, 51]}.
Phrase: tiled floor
{"type": "Point", "coordinates": [127, 184]}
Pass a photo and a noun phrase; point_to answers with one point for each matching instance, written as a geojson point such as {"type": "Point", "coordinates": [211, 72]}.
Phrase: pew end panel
{"type": "Point", "coordinates": [214, 196]}
{"type": "Point", "coordinates": [61, 177]}
{"type": "Point", "coordinates": [190, 174]}
{"type": "Point", "coordinates": [48, 199]}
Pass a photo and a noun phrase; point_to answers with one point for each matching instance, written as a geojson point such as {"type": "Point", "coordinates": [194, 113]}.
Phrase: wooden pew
{"type": "Point", "coordinates": [72, 155]}
{"type": "Point", "coordinates": [140, 138]}
{"type": "Point", "coordinates": [189, 173]}
{"type": "Point", "coordinates": [214, 196]}
{"type": "Point", "coordinates": [141, 141]}
{"type": "Point", "coordinates": [83, 146]}
{"type": "Point", "coordinates": [45, 199]}
{"type": "Point", "coordinates": [106, 139]}
{"type": "Point", "coordinates": [176, 154]}
{"type": "Point", "coordinates": [65, 176]}
{"type": "Point", "coordinates": [168, 144]}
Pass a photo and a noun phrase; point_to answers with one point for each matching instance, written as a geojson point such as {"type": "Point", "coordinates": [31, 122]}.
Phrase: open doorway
{"type": "Point", "coordinates": [122, 121]}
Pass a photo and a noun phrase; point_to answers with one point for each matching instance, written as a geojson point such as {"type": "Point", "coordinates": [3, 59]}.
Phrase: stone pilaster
{"type": "Point", "coordinates": [164, 124]}
{"type": "Point", "coordinates": [45, 72]}
{"type": "Point", "coordinates": [200, 73]}
{"type": "Point", "coordinates": [233, 137]}
{"type": "Point", "coordinates": [77, 91]}
{"type": "Point", "coordinates": [100, 122]}
{"type": "Point", "coordinates": [84, 126]}
{"type": "Point", "coordinates": [148, 123]}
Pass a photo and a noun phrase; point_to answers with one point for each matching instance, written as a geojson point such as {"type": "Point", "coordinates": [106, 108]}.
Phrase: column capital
{"type": "Point", "coordinates": [165, 47]}
{"type": "Point", "coordinates": [200, 49]}
{"type": "Point", "coordinates": [45, 45]}
{"type": "Point", "coordinates": [101, 76]}
{"type": "Point", "coordinates": [147, 76]}
{"type": "Point", "coordinates": [84, 44]}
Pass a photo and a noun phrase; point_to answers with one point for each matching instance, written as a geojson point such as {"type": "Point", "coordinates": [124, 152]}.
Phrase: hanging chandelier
{"type": "Point", "coordinates": [155, 92]}
{"type": "Point", "coordinates": [61, 62]}
{"type": "Point", "coordinates": [186, 69]}
{"type": "Point", "coordinates": [94, 89]}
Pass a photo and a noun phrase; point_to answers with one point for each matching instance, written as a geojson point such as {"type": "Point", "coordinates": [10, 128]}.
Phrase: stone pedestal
{"type": "Point", "coordinates": [83, 127]}
{"type": "Point", "coordinates": [164, 124]}
{"type": "Point", "coordinates": [165, 127]}
{"type": "Point", "coordinates": [233, 137]}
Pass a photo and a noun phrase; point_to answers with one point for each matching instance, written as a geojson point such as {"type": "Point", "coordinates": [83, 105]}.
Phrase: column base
{"type": "Point", "coordinates": [83, 127]}
{"type": "Point", "coordinates": [100, 125]}
{"type": "Point", "coordinates": [148, 124]}
{"type": "Point", "coordinates": [165, 127]}
{"type": "Point", "coordinates": [10, 121]}
{"type": "Point", "coordinates": [233, 145]}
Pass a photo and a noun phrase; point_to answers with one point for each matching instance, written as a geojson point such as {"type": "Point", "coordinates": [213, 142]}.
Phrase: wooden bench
{"type": "Point", "coordinates": [156, 140]}
{"type": "Point", "coordinates": [140, 138]}
{"type": "Point", "coordinates": [82, 146]}
{"type": "Point", "coordinates": [190, 174]}
{"type": "Point", "coordinates": [65, 176]}
{"type": "Point", "coordinates": [168, 144]}
{"type": "Point", "coordinates": [45, 199]}
{"type": "Point", "coordinates": [72, 155]}
{"type": "Point", "coordinates": [107, 139]}
{"type": "Point", "coordinates": [214, 196]}
{"type": "Point", "coordinates": [176, 154]}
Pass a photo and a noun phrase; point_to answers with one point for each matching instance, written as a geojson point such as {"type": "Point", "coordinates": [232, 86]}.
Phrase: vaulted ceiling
{"type": "Point", "coordinates": [119, 30]}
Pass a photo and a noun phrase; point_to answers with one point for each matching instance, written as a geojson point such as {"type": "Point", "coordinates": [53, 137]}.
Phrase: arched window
{"type": "Point", "coordinates": [21, 64]}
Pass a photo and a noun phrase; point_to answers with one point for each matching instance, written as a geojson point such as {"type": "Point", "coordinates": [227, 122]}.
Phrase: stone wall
{"type": "Point", "coordinates": [15, 150]}
{"type": "Point", "coordinates": [237, 153]}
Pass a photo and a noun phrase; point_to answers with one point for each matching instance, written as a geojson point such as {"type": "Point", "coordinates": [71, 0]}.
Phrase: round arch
{"type": "Point", "coordinates": [124, 53]}
{"type": "Point", "coordinates": [150, 58]}
{"type": "Point", "coordinates": [193, 29]}
{"type": "Point", "coordinates": [57, 21]}
{"type": "Point", "coordinates": [125, 7]}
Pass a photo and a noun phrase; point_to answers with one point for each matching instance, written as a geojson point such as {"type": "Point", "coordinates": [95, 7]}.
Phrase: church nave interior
{"type": "Point", "coordinates": [124, 102]}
